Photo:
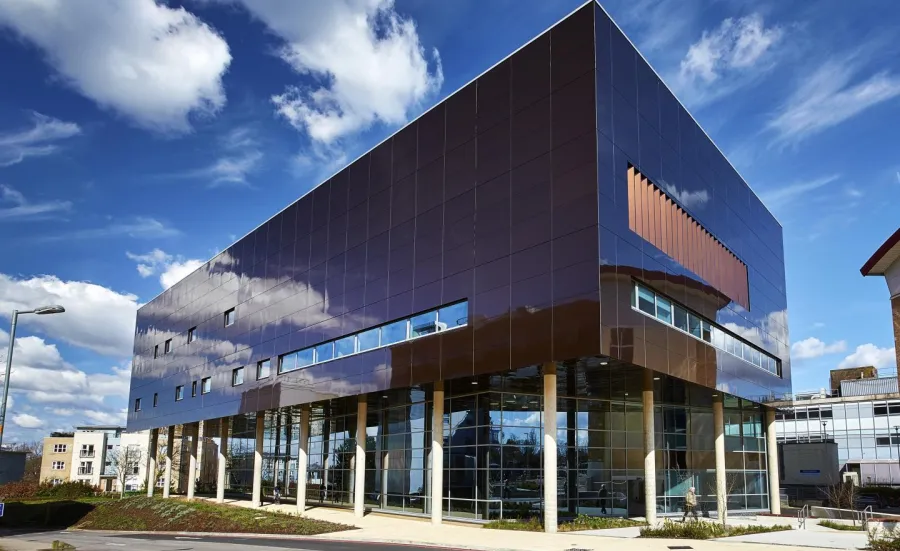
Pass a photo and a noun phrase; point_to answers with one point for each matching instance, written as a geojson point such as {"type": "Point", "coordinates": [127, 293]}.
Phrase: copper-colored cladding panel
{"type": "Point", "coordinates": [631, 215]}
{"type": "Point", "coordinates": [653, 215]}
{"type": "Point", "coordinates": [645, 207]}
{"type": "Point", "coordinates": [664, 222]}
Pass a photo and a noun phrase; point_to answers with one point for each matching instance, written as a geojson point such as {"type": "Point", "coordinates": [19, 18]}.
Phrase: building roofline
{"type": "Point", "coordinates": [891, 247]}
{"type": "Point", "coordinates": [481, 74]}
{"type": "Point", "coordinates": [99, 427]}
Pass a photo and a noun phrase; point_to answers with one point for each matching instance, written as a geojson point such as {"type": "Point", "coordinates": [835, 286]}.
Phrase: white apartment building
{"type": "Point", "coordinates": [94, 453]}
{"type": "Point", "coordinates": [139, 441]}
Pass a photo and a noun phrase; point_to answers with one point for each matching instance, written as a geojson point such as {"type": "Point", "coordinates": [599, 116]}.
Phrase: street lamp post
{"type": "Point", "coordinates": [43, 310]}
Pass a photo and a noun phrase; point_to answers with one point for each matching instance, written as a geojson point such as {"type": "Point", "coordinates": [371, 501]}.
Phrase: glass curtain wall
{"type": "Point", "coordinates": [493, 447]}
{"type": "Point", "coordinates": [398, 451]}
{"type": "Point", "coordinates": [240, 451]}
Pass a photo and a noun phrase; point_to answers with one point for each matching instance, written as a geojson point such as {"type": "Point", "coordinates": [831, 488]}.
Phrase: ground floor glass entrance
{"type": "Point", "coordinates": [493, 447]}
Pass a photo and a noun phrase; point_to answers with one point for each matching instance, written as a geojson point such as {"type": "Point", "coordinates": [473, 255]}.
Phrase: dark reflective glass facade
{"type": "Point", "coordinates": [512, 195]}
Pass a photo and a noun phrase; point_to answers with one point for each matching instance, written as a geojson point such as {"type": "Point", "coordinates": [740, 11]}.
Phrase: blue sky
{"type": "Point", "coordinates": [139, 138]}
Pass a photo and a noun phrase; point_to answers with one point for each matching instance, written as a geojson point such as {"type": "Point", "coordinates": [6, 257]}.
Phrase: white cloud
{"type": "Point", "coordinates": [828, 97]}
{"type": "Point", "coordinates": [240, 156]}
{"type": "Point", "coordinates": [655, 25]}
{"type": "Point", "coordinates": [171, 269]}
{"type": "Point", "coordinates": [105, 417]}
{"type": "Point", "coordinates": [784, 195]}
{"type": "Point", "coordinates": [735, 53]}
{"type": "Point", "coordinates": [140, 227]}
{"type": "Point", "coordinates": [96, 318]}
{"type": "Point", "coordinates": [814, 348]}
{"type": "Point", "coordinates": [41, 375]}
{"type": "Point", "coordinates": [27, 421]}
{"type": "Point", "coordinates": [155, 64]}
{"type": "Point", "coordinates": [37, 141]}
{"type": "Point", "coordinates": [366, 57]}
{"type": "Point", "coordinates": [869, 354]}
{"type": "Point", "coordinates": [690, 199]}
{"type": "Point", "coordinates": [14, 206]}
{"type": "Point", "coordinates": [818, 325]}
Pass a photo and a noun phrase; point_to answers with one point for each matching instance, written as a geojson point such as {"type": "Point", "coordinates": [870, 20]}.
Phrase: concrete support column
{"type": "Point", "coordinates": [550, 449]}
{"type": "Point", "coordinates": [772, 461]}
{"type": "Point", "coordinates": [649, 449]}
{"type": "Point", "coordinates": [437, 454]}
{"type": "Point", "coordinates": [303, 459]}
{"type": "Point", "coordinates": [719, 431]}
{"type": "Point", "coordinates": [170, 450]}
{"type": "Point", "coordinates": [151, 461]}
{"type": "Point", "coordinates": [359, 481]}
{"type": "Point", "coordinates": [288, 423]}
{"type": "Point", "coordinates": [258, 459]}
{"type": "Point", "coordinates": [192, 467]}
{"type": "Point", "coordinates": [223, 454]}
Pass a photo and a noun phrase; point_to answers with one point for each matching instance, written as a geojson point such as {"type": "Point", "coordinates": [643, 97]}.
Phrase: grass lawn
{"type": "Point", "coordinates": [156, 514]}
{"type": "Point", "coordinates": [840, 526]}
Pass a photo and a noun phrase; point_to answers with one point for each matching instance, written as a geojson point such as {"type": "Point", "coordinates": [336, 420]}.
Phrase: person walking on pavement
{"type": "Point", "coordinates": [690, 504]}
{"type": "Point", "coordinates": [603, 495]}
{"type": "Point", "coordinates": [276, 493]}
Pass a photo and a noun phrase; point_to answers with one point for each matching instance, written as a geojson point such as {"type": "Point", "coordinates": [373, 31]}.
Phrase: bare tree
{"type": "Point", "coordinates": [161, 451]}
{"type": "Point", "coordinates": [125, 462]}
{"type": "Point", "coordinates": [842, 496]}
{"type": "Point", "coordinates": [33, 453]}
{"type": "Point", "coordinates": [732, 481]}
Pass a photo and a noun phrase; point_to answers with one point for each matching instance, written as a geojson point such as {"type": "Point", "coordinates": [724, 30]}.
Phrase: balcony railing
{"type": "Point", "coordinates": [86, 453]}
{"type": "Point", "coordinates": [85, 471]}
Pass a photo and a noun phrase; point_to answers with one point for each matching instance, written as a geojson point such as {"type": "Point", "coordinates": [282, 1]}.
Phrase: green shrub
{"type": "Point", "coordinates": [46, 490]}
{"type": "Point", "coordinates": [699, 530]}
{"type": "Point", "coordinates": [531, 525]}
{"type": "Point", "coordinates": [586, 522]}
{"type": "Point", "coordinates": [883, 541]}
{"type": "Point", "coordinates": [756, 529]}
{"type": "Point", "coordinates": [693, 530]}
{"type": "Point", "coordinates": [838, 526]}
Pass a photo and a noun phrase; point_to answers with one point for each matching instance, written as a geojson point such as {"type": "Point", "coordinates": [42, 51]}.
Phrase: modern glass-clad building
{"type": "Point", "coordinates": [555, 257]}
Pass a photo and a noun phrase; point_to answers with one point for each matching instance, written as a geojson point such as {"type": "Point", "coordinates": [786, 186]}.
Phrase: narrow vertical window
{"type": "Point", "coordinates": [229, 317]}
{"type": "Point", "coordinates": [263, 369]}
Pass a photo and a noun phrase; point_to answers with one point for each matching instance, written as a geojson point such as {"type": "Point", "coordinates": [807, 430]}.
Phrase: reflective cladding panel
{"type": "Point", "coordinates": [640, 124]}
{"type": "Point", "coordinates": [490, 198]}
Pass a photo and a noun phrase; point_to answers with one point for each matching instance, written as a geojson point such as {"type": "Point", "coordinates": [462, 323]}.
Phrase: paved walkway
{"type": "Point", "coordinates": [822, 537]}
{"type": "Point", "coordinates": [419, 531]}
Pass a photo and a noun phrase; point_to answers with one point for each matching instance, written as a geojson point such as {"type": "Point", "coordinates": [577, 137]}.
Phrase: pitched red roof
{"type": "Point", "coordinates": [886, 255]}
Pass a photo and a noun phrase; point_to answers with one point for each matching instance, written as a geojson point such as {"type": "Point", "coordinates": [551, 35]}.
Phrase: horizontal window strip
{"type": "Point", "coordinates": [433, 321]}
{"type": "Point", "coordinates": [654, 216]}
{"type": "Point", "coordinates": [650, 303]}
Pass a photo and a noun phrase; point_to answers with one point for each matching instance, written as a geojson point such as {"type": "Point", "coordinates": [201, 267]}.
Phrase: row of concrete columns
{"type": "Point", "coordinates": [437, 455]}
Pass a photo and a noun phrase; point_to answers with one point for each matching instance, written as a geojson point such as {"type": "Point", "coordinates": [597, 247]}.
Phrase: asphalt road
{"type": "Point", "coordinates": [95, 541]}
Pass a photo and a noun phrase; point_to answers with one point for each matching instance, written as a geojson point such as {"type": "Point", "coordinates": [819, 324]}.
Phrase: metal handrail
{"type": "Point", "coordinates": [802, 515]}
{"type": "Point", "coordinates": [865, 516]}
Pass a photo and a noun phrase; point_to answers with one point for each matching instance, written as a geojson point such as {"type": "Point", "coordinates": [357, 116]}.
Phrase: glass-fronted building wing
{"type": "Point", "coordinates": [560, 222]}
